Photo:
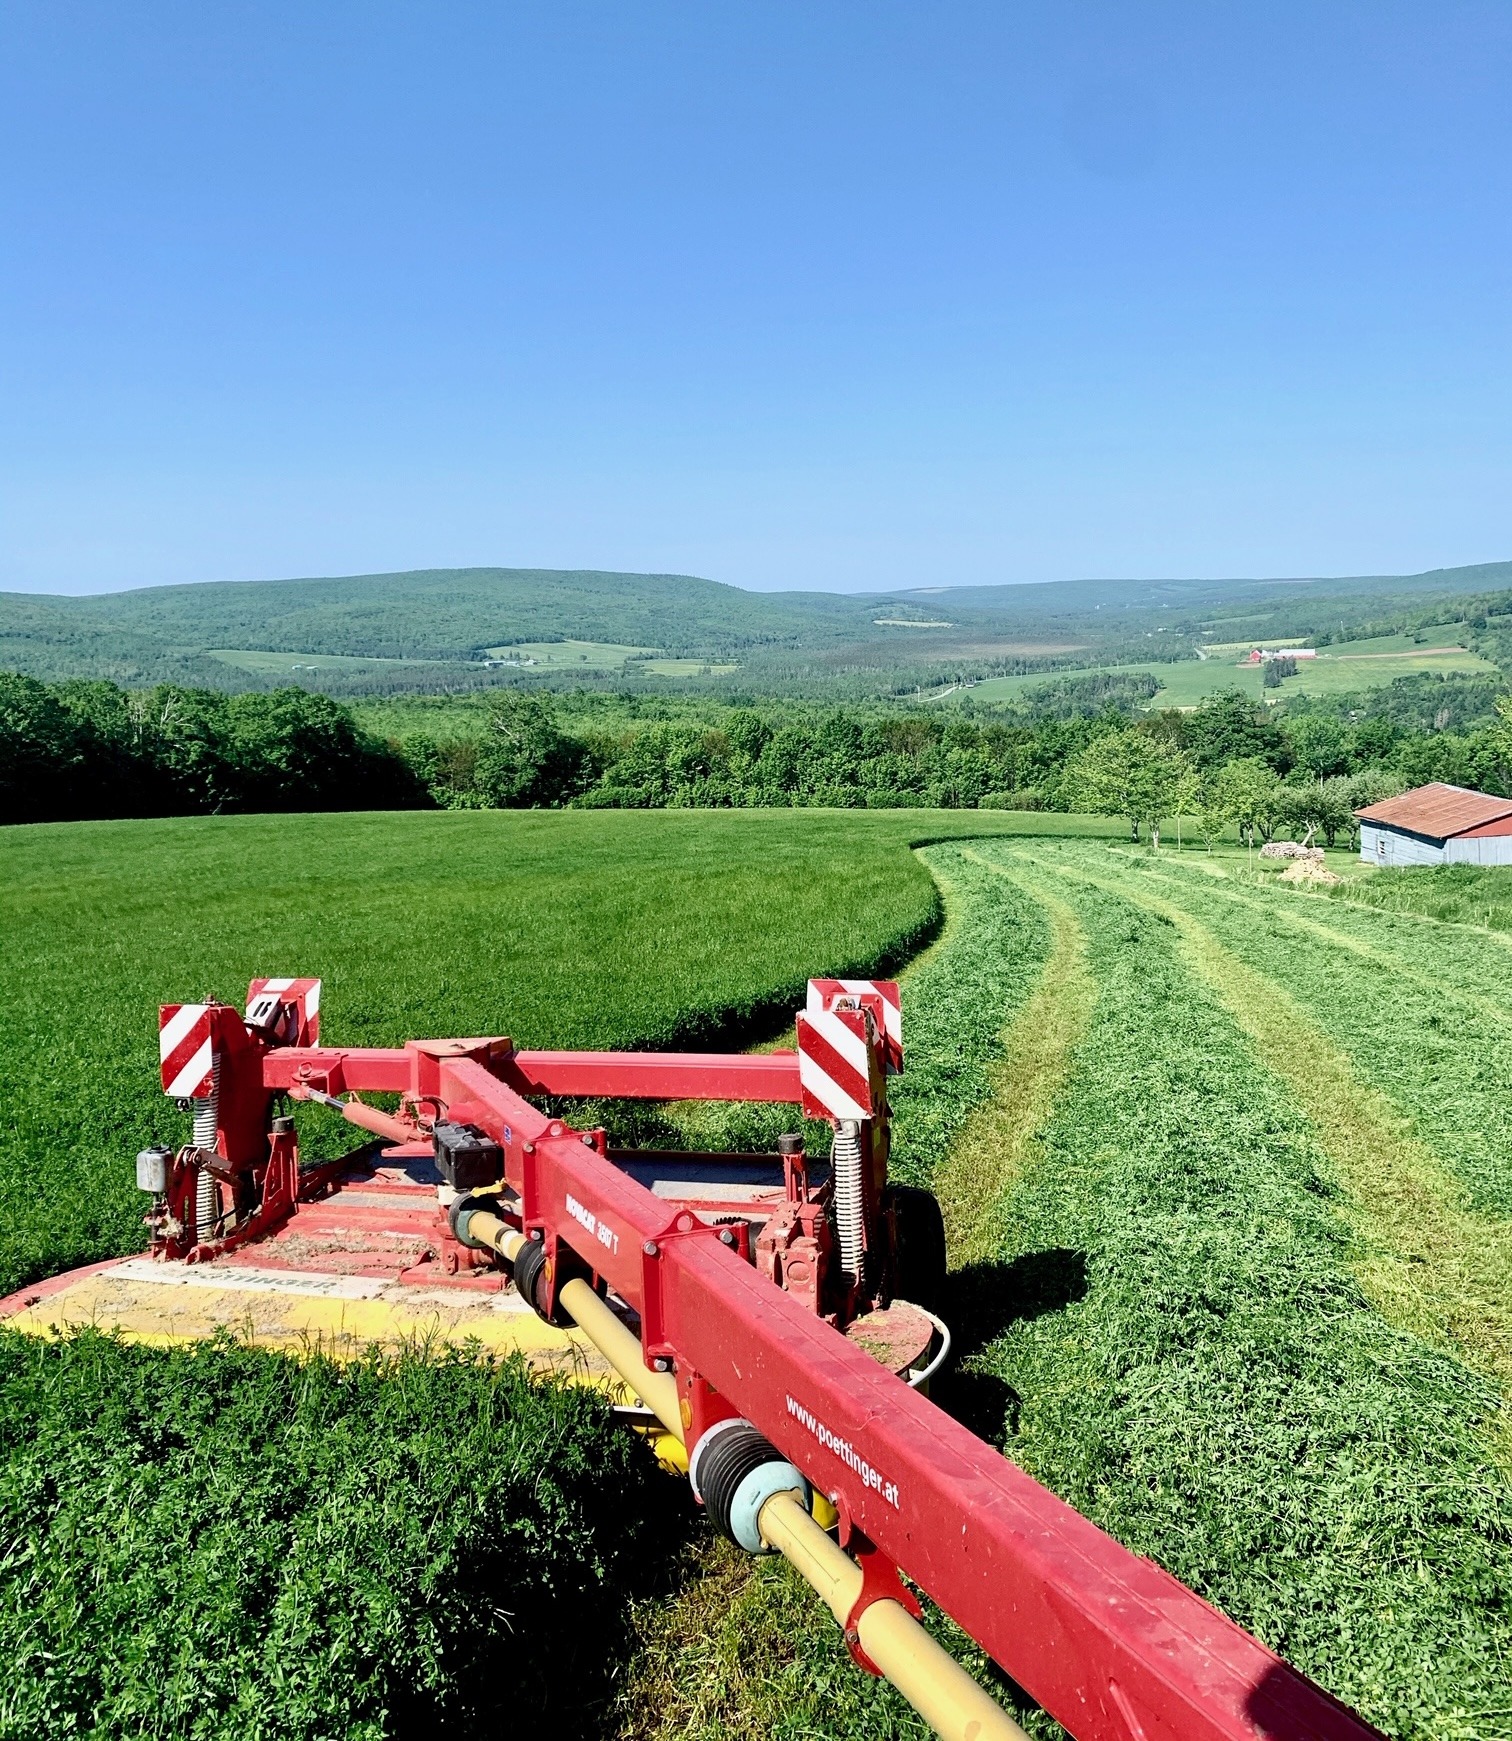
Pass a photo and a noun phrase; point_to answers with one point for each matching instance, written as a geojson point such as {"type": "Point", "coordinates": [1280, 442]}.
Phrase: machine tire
{"type": "Point", "coordinates": [919, 1249]}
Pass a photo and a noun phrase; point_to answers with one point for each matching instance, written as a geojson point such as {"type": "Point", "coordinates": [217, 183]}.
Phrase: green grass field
{"type": "Point", "coordinates": [1344, 669]}
{"type": "Point", "coordinates": [1457, 894]}
{"type": "Point", "coordinates": [564, 657]}
{"type": "Point", "coordinates": [1184, 684]}
{"type": "Point", "coordinates": [602, 929]}
{"type": "Point", "coordinates": [1225, 1162]}
{"type": "Point", "coordinates": [223, 1542]}
{"type": "Point", "coordinates": [295, 667]}
{"type": "Point", "coordinates": [545, 658]}
{"type": "Point", "coordinates": [1442, 637]}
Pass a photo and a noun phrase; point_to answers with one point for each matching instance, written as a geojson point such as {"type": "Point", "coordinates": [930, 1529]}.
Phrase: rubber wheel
{"type": "Point", "coordinates": [919, 1245]}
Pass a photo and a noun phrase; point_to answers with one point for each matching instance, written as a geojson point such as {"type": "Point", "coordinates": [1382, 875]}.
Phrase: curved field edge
{"type": "Point", "coordinates": [614, 929]}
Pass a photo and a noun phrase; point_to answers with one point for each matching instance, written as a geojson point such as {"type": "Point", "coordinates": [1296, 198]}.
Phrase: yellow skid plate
{"type": "Point", "coordinates": [304, 1312]}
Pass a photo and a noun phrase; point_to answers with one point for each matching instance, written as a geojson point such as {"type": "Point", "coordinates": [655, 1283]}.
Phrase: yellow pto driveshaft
{"type": "Point", "coordinates": [932, 1681]}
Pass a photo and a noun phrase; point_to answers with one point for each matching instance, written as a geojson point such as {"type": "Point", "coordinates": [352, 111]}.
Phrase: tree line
{"type": "Point", "coordinates": [93, 749]}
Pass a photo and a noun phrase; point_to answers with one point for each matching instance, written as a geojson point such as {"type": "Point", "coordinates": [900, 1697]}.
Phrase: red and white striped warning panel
{"type": "Point", "coordinates": [835, 1064]}
{"type": "Point", "coordinates": [287, 1009]}
{"type": "Point", "coordinates": [185, 1051]}
{"type": "Point", "coordinates": [880, 996]}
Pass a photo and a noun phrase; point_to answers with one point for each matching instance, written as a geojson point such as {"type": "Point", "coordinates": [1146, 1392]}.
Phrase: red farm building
{"type": "Point", "coordinates": [1437, 824]}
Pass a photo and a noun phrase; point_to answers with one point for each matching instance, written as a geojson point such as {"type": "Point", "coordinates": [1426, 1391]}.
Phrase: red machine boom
{"type": "Point", "coordinates": [769, 1290]}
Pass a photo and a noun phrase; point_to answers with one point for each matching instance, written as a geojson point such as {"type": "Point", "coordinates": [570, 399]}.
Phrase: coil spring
{"type": "Point", "coordinates": [207, 1112]}
{"type": "Point", "coordinates": [206, 1122]}
{"type": "Point", "coordinates": [850, 1215]}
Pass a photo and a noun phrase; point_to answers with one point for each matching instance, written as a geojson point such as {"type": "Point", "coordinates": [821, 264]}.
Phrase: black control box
{"type": "Point", "coordinates": [467, 1157]}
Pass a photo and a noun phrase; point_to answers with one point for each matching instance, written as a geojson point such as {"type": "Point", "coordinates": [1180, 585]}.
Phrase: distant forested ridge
{"type": "Point", "coordinates": [433, 630]}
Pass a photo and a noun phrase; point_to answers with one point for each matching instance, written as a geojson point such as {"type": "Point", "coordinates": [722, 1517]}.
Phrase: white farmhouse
{"type": "Point", "coordinates": [1437, 824]}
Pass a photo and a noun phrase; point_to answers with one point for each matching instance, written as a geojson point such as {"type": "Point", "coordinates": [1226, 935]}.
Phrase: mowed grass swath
{"type": "Point", "coordinates": [1168, 1311]}
{"type": "Point", "coordinates": [1262, 1419]}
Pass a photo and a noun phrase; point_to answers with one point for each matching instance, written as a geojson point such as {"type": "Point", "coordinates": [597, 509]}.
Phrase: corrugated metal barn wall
{"type": "Point", "coordinates": [1391, 846]}
{"type": "Point", "coordinates": [1479, 849]}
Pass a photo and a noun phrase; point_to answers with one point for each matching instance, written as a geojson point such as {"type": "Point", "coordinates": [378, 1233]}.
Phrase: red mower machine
{"type": "Point", "coordinates": [769, 1317]}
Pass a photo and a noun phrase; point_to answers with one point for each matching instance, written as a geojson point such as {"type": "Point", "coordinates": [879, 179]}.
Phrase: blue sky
{"type": "Point", "coordinates": [822, 295]}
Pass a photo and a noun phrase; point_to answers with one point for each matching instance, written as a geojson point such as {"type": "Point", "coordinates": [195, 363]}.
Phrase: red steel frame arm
{"type": "Point", "coordinates": [1113, 1647]}
{"type": "Point", "coordinates": [380, 1070]}
{"type": "Point", "coordinates": [658, 1075]}
{"type": "Point", "coordinates": [768, 1076]}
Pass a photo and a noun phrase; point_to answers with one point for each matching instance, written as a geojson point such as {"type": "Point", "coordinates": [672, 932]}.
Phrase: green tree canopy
{"type": "Point", "coordinates": [1132, 774]}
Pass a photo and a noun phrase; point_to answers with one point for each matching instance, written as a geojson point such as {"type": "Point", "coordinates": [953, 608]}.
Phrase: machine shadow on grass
{"type": "Point", "coordinates": [981, 1302]}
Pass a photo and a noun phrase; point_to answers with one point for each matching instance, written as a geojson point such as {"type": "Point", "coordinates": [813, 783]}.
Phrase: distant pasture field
{"type": "Point", "coordinates": [1344, 669]}
{"type": "Point", "coordinates": [296, 668]}
{"type": "Point", "coordinates": [559, 657]}
{"type": "Point", "coordinates": [553, 658]}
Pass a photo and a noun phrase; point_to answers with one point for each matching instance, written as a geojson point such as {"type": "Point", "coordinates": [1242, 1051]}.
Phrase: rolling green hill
{"type": "Point", "coordinates": [430, 616]}
{"type": "Point", "coordinates": [438, 630]}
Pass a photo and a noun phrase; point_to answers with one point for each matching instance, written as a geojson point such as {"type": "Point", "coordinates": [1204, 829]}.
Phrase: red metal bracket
{"type": "Point", "coordinates": [881, 1581]}
{"type": "Point", "coordinates": [700, 1405]}
{"type": "Point", "coordinates": [655, 1340]}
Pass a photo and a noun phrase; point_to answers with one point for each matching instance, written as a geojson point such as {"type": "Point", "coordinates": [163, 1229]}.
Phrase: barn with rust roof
{"type": "Point", "coordinates": [1437, 824]}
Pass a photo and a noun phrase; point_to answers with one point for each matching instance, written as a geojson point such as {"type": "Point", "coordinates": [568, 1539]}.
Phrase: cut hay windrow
{"type": "Point", "coordinates": [1210, 1380]}
{"type": "Point", "coordinates": [1421, 1012]}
